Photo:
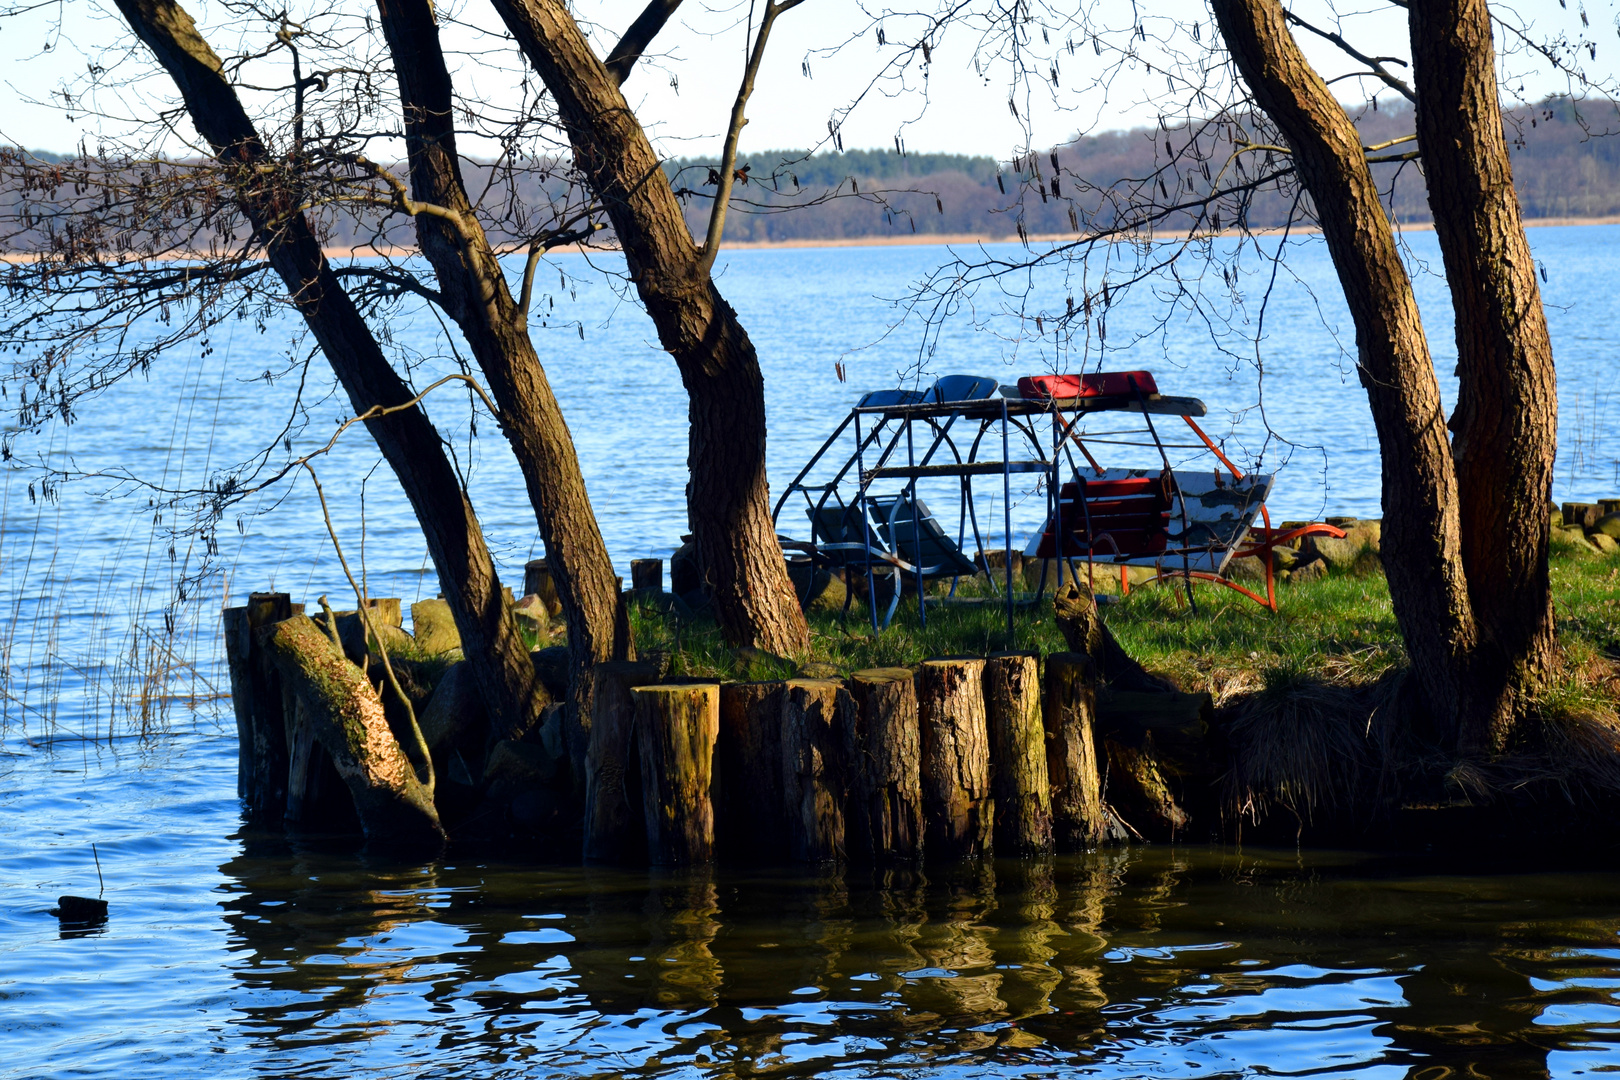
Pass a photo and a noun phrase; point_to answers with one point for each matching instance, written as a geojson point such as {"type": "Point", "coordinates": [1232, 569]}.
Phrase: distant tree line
{"type": "Point", "coordinates": [1566, 163]}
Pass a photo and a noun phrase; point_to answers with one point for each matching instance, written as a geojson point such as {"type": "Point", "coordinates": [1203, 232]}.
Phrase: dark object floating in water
{"type": "Point", "coordinates": [81, 910]}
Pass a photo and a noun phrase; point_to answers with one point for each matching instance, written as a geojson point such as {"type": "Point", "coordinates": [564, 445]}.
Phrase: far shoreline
{"type": "Point", "coordinates": [908, 240]}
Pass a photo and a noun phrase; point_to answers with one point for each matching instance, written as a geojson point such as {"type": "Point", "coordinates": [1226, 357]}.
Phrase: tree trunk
{"type": "Point", "coordinates": [346, 716]}
{"type": "Point", "coordinates": [1422, 545]}
{"type": "Point", "coordinates": [955, 741]}
{"type": "Point", "coordinates": [476, 296]}
{"type": "Point", "coordinates": [677, 726]}
{"type": "Point", "coordinates": [882, 753]}
{"type": "Point", "coordinates": [1079, 821]}
{"type": "Point", "coordinates": [750, 815]}
{"type": "Point", "coordinates": [406, 438]}
{"type": "Point", "coordinates": [814, 717]}
{"type": "Point", "coordinates": [1506, 424]}
{"type": "Point", "coordinates": [727, 498]}
{"type": "Point", "coordinates": [1012, 702]}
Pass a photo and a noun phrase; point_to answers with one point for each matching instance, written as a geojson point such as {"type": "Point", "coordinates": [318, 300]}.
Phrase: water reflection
{"type": "Point", "coordinates": [1124, 963]}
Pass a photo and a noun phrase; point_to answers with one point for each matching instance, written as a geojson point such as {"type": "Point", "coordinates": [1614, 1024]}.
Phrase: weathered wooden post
{"type": "Point", "coordinates": [1012, 698]}
{"type": "Point", "coordinates": [882, 753]}
{"type": "Point", "coordinates": [647, 574]}
{"type": "Point", "coordinates": [537, 582]}
{"type": "Point", "coordinates": [750, 816]}
{"type": "Point", "coordinates": [957, 803]}
{"type": "Point", "coordinates": [676, 726]}
{"type": "Point", "coordinates": [814, 715]}
{"type": "Point", "coordinates": [1079, 820]}
{"type": "Point", "coordinates": [261, 729]}
{"type": "Point", "coordinates": [613, 815]}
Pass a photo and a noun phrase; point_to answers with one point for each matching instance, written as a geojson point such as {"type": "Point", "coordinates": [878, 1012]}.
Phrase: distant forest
{"type": "Point", "coordinates": [1566, 164]}
{"type": "Point", "coordinates": [1560, 169]}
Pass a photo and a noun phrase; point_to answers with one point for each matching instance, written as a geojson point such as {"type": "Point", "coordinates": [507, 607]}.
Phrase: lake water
{"type": "Point", "coordinates": [252, 955]}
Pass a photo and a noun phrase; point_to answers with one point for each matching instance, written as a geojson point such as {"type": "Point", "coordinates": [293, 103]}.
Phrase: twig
{"type": "Point", "coordinates": [420, 746]}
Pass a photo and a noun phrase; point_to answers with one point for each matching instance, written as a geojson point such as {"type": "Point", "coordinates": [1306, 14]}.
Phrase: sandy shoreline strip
{"type": "Point", "coordinates": [908, 240]}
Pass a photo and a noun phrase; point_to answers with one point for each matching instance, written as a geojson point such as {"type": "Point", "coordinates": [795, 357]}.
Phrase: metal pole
{"type": "Point", "coordinates": [860, 503]}
{"type": "Point", "coordinates": [1006, 517]}
{"type": "Point", "coordinates": [916, 525]}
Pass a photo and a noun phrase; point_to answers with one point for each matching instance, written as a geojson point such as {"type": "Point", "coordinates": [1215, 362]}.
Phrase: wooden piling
{"type": "Point", "coordinates": [1069, 711]}
{"type": "Point", "coordinates": [957, 802]}
{"type": "Point", "coordinates": [676, 726]}
{"type": "Point", "coordinates": [882, 752]}
{"type": "Point", "coordinates": [814, 715]}
{"type": "Point", "coordinates": [1012, 699]}
{"type": "Point", "coordinates": [750, 818]}
{"type": "Point", "coordinates": [261, 728]}
{"type": "Point", "coordinates": [613, 814]}
{"type": "Point", "coordinates": [647, 574]}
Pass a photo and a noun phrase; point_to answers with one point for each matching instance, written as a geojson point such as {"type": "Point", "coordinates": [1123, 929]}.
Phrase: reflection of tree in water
{"type": "Point", "coordinates": [1124, 961]}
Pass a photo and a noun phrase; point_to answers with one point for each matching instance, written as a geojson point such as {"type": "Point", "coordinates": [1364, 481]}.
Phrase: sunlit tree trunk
{"type": "Point", "coordinates": [407, 439]}
{"type": "Point", "coordinates": [1422, 543]}
{"type": "Point", "coordinates": [728, 502]}
{"type": "Point", "coordinates": [1505, 428]}
{"type": "Point", "coordinates": [476, 296]}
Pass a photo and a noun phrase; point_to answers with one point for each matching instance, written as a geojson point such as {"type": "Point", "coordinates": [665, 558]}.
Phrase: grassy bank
{"type": "Point", "coordinates": [1340, 628]}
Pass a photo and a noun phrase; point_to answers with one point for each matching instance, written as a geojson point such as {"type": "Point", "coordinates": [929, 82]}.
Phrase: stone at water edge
{"type": "Point", "coordinates": [533, 615]}
{"type": "Point", "coordinates": [815, 669]}
{"type": "Point", "coordinates": [1311, 571]}
{"type": "Point", "coordinates": [1577, 536]}
{"type": "Point", "coordinates": [454, 716]}
{"type": "Point", "coordinates": [1607, 525]}
{"type": "Point", "coordinates": [827, 592]}
{"type": "Point", "coordinates": [1604, 542]}
{"type": "Point", "coordinates": [434, 627]}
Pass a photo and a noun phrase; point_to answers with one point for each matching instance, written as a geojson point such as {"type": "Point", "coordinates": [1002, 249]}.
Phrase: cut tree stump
{"type": "Point", "coordinates": [814, 716]}
{"type": "Point", "coordinates": [676, 726]}
{"type": "Point", "coordinates": [882, 752]}
{"type": "Point", "coordinates": [958, 806]}
{"type": "Point", "coordinates": [614, 829]}
{"type": "Point", "coordinates": [1012, 700]}
{"type": "Point", "coordinates": [343, 710]}
{"type": "Point", "coordinates": [1079, 820]}
{"type": "Point", "coordinates": [750, 817]}
{"type": "Point", "coordinates": [647, 574]}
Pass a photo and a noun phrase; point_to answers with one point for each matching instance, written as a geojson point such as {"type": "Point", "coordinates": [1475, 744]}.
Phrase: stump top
{"type": "Point", "coordinates": [677, 688]}
{"type": "Point", "coordinates": [883, 675]}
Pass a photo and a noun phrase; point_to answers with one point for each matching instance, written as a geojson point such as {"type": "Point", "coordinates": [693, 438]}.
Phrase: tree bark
{"type": "Point", "coordinates": [727, 497]}
{"type": "Point", "coordinates": [346, 716]}
{"type": "Point", "coordinates": [677, 726]}
{"type": "Point", "coordinates": [1422, 543]}
{"type": "Point", "coordinates": [476, 296]}
{"type": "Point", "coordinates": [955, 741]}
{"type": "Point", "coordinates": [406, 438]}
{"type": "Point", "coordinates": [1079, 820]}
{"type": "Point", "coordinates": [1023, 793]}
{"type": "Point", "coordinates": [882, 753]}
{"type": "Point", "coordinates": [1505, 426]}
{"type": "Point", "coordinates": [814, 717]}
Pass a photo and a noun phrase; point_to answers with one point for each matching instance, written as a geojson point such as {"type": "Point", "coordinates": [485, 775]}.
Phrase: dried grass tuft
{"type": "Point", "coordinates": [1306, 739]}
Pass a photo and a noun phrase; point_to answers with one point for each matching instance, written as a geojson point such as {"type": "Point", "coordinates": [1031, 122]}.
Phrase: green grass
{"type": "Point", "coordinates": [1342, 624]}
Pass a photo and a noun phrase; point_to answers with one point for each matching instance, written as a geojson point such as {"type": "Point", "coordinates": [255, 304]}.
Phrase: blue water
{"type": "Point", "coordinates": [241, 954]}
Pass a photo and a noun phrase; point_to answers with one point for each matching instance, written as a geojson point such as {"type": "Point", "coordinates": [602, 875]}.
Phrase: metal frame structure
{"type": "Point", "coordinates": [885, 420]}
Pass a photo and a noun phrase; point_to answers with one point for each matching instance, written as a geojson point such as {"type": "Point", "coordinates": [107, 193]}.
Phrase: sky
{"type": "Point", "coordinates": [821, 56]}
